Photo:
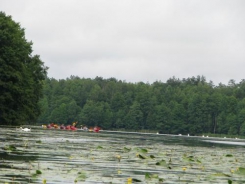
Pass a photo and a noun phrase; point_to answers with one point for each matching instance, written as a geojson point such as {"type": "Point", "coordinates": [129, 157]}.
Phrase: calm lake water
{"type": "Point", "coordinates": [60, 156]}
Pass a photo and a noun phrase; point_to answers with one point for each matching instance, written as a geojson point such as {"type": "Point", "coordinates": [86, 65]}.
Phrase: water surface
{"type": "Point", "coordinates": [114, 157]}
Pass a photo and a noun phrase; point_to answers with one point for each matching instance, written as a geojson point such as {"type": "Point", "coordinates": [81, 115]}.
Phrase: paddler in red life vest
{"type": "Point", "coordinates": [96, 129]}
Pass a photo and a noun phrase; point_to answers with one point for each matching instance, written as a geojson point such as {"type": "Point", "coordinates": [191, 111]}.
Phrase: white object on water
{"type": "Point", "coordinates": [25, 129]}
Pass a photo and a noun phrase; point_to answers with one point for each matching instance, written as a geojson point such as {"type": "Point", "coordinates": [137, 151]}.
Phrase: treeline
{"type": "Point", "coordinates": [190, 105]}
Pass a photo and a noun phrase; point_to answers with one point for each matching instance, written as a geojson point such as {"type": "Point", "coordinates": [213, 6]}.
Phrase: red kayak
{"type": "Point", "coordinates": [96, 129]}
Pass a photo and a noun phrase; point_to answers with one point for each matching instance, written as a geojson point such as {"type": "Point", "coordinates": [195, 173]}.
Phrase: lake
{"type": "Point", "coordinates": [61, 156]}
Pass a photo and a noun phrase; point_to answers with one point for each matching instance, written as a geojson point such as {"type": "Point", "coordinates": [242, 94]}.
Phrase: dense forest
{"type": "Point", "coordinates": [190, 105]}
{"type": "Point", "coordinates": [21, 75]}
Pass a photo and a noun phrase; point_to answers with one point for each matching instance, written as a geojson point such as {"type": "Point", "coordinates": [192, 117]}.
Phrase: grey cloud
{"type": "Point", "coordinates": [138, 40]}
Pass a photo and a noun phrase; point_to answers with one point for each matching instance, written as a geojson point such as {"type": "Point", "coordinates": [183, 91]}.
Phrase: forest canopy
{"type": "Point", "coordinates": [190, 105]}
{"type": "Point", "coordinates": [21, 75]}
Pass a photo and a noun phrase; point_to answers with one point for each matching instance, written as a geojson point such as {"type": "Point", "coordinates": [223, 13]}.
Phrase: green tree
{"type": "Point", "coordinates": [162, 118]}
{"type": "Point", "coordinates": [178, 106]}
{"type": "Point", "coordinates": [242, 130]}
{"type": "Point", "coordinates": [91, 114]}
{"type": "Point", "coordinates": [72, 111]}
{"type": "Point", "coordinates": [134, 117]}
{"type": "Point", "coordinates": [44, 106]}
{"type": "Point", "coordinates": [21, 75]}
{"type": "Point", "coordinates": [233, 124]}
{"type": "Point", "coordinates": [198, 116]}
{"type": "Point", "coordinates": [59, 114]}
{"type": "Point", "coordinates": [117, 102]}
{"type": "Point", "coordinates": [119, 119]}
{"type": "Point", "coordinates": [178, 117]}
{"type": "Point", "coordinates": [143, 97]}
{"type": "Point", "coordinates": [106, 121]}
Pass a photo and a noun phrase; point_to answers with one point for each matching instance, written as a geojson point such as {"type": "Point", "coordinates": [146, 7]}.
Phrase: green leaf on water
{"type": "Point", "coordinates": [142, 150]}
{"type": "Point", "coordinates": [189, 158]}
{"type": "Point", "coordinates": [135, 180]}
{"type": "Point", "coordinates": [152, 156]}
{"type": "Point", "coordinates": [10, 148]}
{"type": "Point", "coordinates": [161, 180]}
{"type": "Point", "coordinates": [229, 155]}
{"type": "Point", "coordinates": [38, 172]}
{"type": "Point", "coordinates": [240, 170]}
{"type": "Point", "coordinates": [99, 147]}
{"type": "Point", "coordinates": [229, 182]}
{"type": "Point", "coordinates": [127, 149]}
{"type": "Point", "coordinates": [147, 175]}
{"type": "Point", "coordinates": [150, 176]}
{"type": "Point", "coordinates": [198, 161]}
{"type": "Point", "coordinates": [161, 163]}
{"type": "Point", "coordinates": [82, 176]}
{"type": "Point", "coordinates": [221, 174]}
{"type": "Point", "coordinates": [39, 141]}
{"type": "Point", "coordinates": [141, 156]}
{"type": "Point", "coordinates": [154, 175]}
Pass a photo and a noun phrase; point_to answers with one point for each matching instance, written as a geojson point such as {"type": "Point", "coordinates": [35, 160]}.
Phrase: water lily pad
{"type": "Point", "coordinates": [81, 176]}
{"type": "Point", "coordinates": [221, 174]}
{"type": "Point", "coordinates": [141, 156]}
{"type": "Point", "coordinates": [142, 150]}
{"type": "Point", "coordinates": [38, 172]}
{"type": "Point", "coordinates": [135, 180]}
{"type": "Point", "coordinates": [152, 156]}
{"type": "Point", "coordinates": [162, 163]}
{"type": "Point", "coordinates": [229, 182]}
{"type": "Point", "coordinates": [98, 156]}
{"type": "Point", "coordinates": [10, 148]}
{"type": "Point", "coordinates": [240, 170]}
{"type": "Point", "coordinates": [150, 176]}
{"type": "Point", "coordinates": [127, 149]}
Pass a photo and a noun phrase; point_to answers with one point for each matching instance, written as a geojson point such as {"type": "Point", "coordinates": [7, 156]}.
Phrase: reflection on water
{"type": "Point", "coordinates": [226, 142]}
{"type": "Point", "coordinates": [65, 156]}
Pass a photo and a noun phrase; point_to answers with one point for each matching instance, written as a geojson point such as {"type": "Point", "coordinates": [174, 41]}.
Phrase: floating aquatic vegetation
{"type": "Point", "coordinates": [240, 170]}
{"type": "Point", "coordinates": [81, 176]}
{"type": "Point", "coordinates": [10, 148]}
{"type": "Point", "coordinates": [152, 156]}
{"type": "Point", "coordinates": [75, 157]}
{"type": "Point", "coordinates": [99, 147]}
{"type": "Point", "coordinates": [141, 156]}
{"type": "Point", "coordinates": [142, 150]}
{"type": "Point", "coordinates": [229, 155]}
{"type": "Point", "coordinates": [162, 163]}
{"type": "Point", "coordinates": [126, 149]}
{"type": "Point", "coordinates": [38, 172]}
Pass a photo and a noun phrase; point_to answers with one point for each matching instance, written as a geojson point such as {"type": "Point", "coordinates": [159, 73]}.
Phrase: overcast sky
{"type": "Point", "coordinates": [136, 40]}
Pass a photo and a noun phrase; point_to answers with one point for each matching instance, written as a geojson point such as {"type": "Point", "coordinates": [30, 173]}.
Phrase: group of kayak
{"type": "Point", "coordinates": [71, 127]}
